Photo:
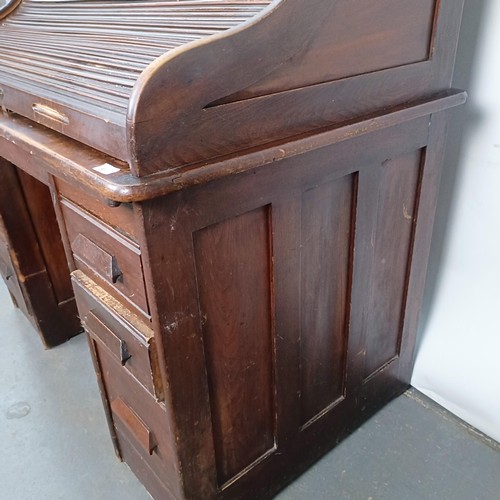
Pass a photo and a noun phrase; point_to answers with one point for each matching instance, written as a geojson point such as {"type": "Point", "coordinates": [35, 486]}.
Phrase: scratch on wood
{"type": "Point", "coordinates": [406, 215]}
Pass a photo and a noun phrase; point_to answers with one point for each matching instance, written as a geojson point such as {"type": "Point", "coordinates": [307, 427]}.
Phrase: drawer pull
{"type": "Point", "coordinates": [96, 258]}
{"type": "Point", "coordinates": [115, 344]}
{"type": "Point", "coordinates": [134, 425]}
{"type": "Point", "coordinates": [42, 111]}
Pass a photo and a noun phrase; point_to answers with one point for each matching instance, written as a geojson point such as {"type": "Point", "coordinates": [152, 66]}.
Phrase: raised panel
{"type": "Point", "coordinates": [327, 227]}
{"type": "Point", "coordinates": [393, 243]}
{"type": "Point", "coordinates": [233, 262]}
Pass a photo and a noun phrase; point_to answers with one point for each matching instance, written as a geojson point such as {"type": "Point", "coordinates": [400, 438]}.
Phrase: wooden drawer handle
{"type": "Point", "coordinates": [134, 424]}
{"type": "Point", "coordinates": [96, 328]}
{"type": "Point", "coordinates": [43, 111]}
{"type": "Point", "coordinates": [96, 258]}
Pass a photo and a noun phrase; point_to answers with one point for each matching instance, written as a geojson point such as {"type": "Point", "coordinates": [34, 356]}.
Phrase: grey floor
{"type": "Point", "coordinates": [54, 442]}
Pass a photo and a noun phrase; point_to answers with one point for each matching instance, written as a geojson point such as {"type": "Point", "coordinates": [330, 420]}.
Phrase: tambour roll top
{"type": "Point", "coordinates": [72, 64]}
{"type": "Point", "coordinates": [163, 85]}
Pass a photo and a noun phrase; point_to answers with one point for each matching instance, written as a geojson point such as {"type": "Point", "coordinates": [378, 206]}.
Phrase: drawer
{"type": "Point", "coordinates": [142, 470]}
{"type": "Point", "coordinates": [110, 258]}
{"type": "Point", "coordinates": [121, 333]}
{"type": "Point", "coordinates": [122, 218]}
{"type": "Point", "coordinates": [140, 422]}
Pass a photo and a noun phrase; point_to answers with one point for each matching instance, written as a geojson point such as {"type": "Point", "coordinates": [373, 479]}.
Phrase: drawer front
{"type": "Point", "coordinates": [138, 419]}
{"type": "Point", "coordinates": [131, 352]}
{"type": "Point", "coordinates": [122, 334]}
{"type": "Point", "coordinates": [111, 259]}
{"type": "Point", "coordinates": [142, 470]}
{"type": "Point", "coordinates": [121, 218]}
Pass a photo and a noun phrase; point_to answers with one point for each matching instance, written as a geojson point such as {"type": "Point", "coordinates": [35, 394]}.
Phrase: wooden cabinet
{"type": "Point", "coordinates": [287, 298]}
{"type": "Point", "coordinates": [247, 217]}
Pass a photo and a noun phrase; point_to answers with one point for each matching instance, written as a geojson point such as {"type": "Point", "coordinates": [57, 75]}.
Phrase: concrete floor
{"type": "Point", "coordinates": [55, 444]}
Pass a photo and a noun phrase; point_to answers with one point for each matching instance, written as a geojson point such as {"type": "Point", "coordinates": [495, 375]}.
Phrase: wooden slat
{"type": "Point", "coordinates": [93, 52]}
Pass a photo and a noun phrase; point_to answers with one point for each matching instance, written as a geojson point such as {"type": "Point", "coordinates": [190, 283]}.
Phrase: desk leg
{"type": "Point", "coordinates": [32, 259]}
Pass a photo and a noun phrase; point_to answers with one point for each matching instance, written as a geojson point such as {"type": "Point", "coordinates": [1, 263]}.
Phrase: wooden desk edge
{"type": "Point", "coordinates": [69, 160]}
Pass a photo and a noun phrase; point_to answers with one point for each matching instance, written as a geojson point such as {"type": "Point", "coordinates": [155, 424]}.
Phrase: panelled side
{"type": "Point", "coordinates": [399, 186]}
{"type": "Point", "coordinates": [233, 261]}
{"type": "Point", "coordinates": [326, 231]}
{"type": "Point", "coordinates": [286, 297]}
{"type": "Point", "coordinates": [357, 37]}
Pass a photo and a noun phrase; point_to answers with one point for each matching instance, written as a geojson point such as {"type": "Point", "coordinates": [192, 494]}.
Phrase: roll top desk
{"type": "Point", "coordinates": [242, 193]}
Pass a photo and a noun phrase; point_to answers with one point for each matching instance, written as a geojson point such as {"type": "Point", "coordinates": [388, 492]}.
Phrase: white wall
{"type": "Point", "coordinates": [458, 360]}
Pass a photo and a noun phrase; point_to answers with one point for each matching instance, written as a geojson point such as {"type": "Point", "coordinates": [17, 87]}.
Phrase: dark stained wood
{"type": "Point", "coordinates": [35, 269]}
{"type": "Point", "coordinates": [75, 163]}
{"type": "Point", "coordinates": [126, 336]}
{"type": "Point", "coordinates": [177, 324]}
{"type": "Point", "coordinates": [233, 261]}
{"type": "Point", "coordinates": [75, 62]}
{"type": "Point", "coordinates": [387, 165]}
{"type": "Point", "coordinates": [111, 102]}
{"type": "Point", "coordinates": [131, 351]}
{"type": "Point", "coordinates": [39, 204]}
{"type": "Point", "coordinates": [112, 259]}
{"type": "Point", "coordinates": [31, 147]}
{"type": "Point", "coordinates": [151, 425]}
{"type": "Point", "coordinates": [429, 189]}
{"type": "Point", "coordinates": [121, 218]}
{"type": "Point", "coordinates": [393, 248]}
{"type": "Point", "coordinates": [360, 39]}
{"type": "Point", "coordinates": [142, 470]}
{"type": "Point", "coordinates": [244, 193]}
{"type": "Point", "coordinates": [134, 424]}
{"type": "Point", "coordinates": [327, 227]}
{"type": "Point", "coordinates": [196, 136]}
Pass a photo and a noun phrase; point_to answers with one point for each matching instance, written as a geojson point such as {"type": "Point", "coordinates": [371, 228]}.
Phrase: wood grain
{"type": "Point", "coordinates": [41, 151]}
{"type": "Point", "coordinates": [234, 278]}
{"type": "Point", "coordinates": [176, 98]}
{"type": "Point", "coordinates": [112, 259]}
{"type": "Point", "coordinates": [80, 50]}
{"type": "Point", "coordinates": [393, 248]}
{"type": "Point", "coordinates": [327, 229]}
{"type": "Point", "coordinates": [370, 41]}
{"type": "Point", "coordinates": [247, 189]}
{"type": "Point", "coordinates": [37, 270]}
{"type": "Point", "coordinates": [40, 206]}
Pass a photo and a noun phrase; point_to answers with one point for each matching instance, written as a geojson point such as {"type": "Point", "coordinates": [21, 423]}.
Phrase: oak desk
{"type": "Point", "coordinates": [243, 193]}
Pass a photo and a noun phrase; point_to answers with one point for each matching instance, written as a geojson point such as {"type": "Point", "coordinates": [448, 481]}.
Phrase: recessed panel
{"type": "Point", "coordinates": [358, 37]}
{"type": "Point", "coordinates": [234, 280]}
{"type": "Point", "coordinates": [393, 244]}
{"type": "Point", "coordinates": [327, 226]}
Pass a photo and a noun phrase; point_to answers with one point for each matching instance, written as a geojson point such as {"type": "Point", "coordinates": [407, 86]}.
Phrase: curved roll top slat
{"type": "Point", "coordinates": [92, 52]}
{"type": "Point", "coordinates": [168, 85]}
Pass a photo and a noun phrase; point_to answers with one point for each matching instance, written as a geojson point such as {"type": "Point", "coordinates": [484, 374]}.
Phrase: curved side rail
{"type": "Point", "coordinates": [174, 90]}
